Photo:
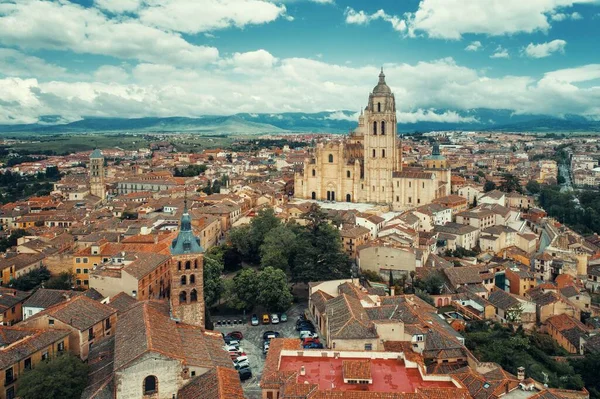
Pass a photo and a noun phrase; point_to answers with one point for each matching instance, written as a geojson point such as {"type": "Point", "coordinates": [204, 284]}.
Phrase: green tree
{"type": "Point", "coordinates": [245, 289]}
{"type": "Point", "coordinates": [64, 376]}
{"type": "Point", "coordinates": [489, 186]}
{"type": "Point", "coordinates": [213, 283]}
{"type": "Point", "coordinates": [561, 179]}
{"type": "Point", "coordinates": [533, 187]}
{"type": "Point", "coordinates": [64, 281]}
{"type": "Point", "coordinates": [278, 248]}
{"type": "Point", "coordinates": [241, 239]}
{"type": "Point", "coordinates": [30, 280]}
{"type": "Point", "coordinates": [273, 290]}
{"type": "Point", "coordinates": [11, 240]}
{"type": "Point", "coordinates": [510, 183]}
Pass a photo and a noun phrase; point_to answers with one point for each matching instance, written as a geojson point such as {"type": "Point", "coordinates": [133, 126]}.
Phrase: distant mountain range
{"type": "Point", "coordinates": [321, 122]}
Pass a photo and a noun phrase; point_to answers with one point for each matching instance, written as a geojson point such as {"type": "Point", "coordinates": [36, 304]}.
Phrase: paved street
{"type": "Point", "coordinates": [252, 344]}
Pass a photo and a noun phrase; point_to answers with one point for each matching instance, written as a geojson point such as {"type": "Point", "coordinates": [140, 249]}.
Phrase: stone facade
{"type": "Point", "coordinates": [367, 165]}
{"type": "Point", "coordinates": [97, 186]}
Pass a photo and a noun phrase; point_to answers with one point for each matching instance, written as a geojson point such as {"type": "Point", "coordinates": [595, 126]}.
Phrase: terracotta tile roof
{"type": "Point", "coordinates": [272, 378]}
{"type": "Point", "coordinates": [319, 299]}
{"type": "Point", "coordinates": [355, 232]}
{"type": "Point", "coordinates": [348, 319]}
{"type": "Point", "coordinates": [145, 263]}
{"type": "Point", "coordinates": [80, 312]}
{"type": "Point", "coordinates": [100, 374]}
{"type": "Point", "coordinates": [217, 383]}
{"type": "Point", "coordinates": [356, 369]}
{"type": "Point", "coordinates": [44, 298]}
{"type": "Point", "coordinates": [553, 393]}
{"type": "Point", "coordinates": [502, 299]}
{"type": "Point", "coordinates": [122, 302]}
{"type": "Point", "coordinates": [17, 343]}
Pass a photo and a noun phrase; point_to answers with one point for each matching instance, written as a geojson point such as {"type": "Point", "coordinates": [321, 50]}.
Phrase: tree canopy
{"type": "Point", "coordinates": [64, 376]}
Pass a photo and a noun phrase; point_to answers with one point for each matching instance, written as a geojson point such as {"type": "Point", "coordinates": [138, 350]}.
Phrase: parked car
{"type": "Point", "coordinates": [236, 334]}
{"type": "Point", "coordinates": [283, 318]}
{"type": "Point", "coordinates": [314, 345]}
{"type": "Point", "coordinates": [272, 334]}
{"type": "Point", "coordinates": [307, 341]}
{"type": "Point", "coordinates": [274, 319]}
{"type": "Point", "coordinates": [233, 349]}
{"type": "Point", "coordinates": [254, 320]}
{"type": "Point", "coordinates": [266, 319]}
{"type": "Point", "coordinates": [245, 374]}
{"type": "Point", "coordinates": [306, 327]}
{"type": "Point", "coordinates": [241, 361]}
{"type": "Point", "coordinates": [266, 347]}
{"type": "Point", "coordinates": [308, 334]}
{"type": "Point", "coordinates": [235, 355]}
{"type": "Point", "coordinates": [234, 342]}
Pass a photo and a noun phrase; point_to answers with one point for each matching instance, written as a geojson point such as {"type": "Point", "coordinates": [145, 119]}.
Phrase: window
{"type": "Point", "coordinates": [409, 184]}
{"type": "Point", "coordinates": [182, 297]}
{"type": "Point", "coordinates": [194, 296]}
{"type": "Point", "coordinates": [77, 260]}
{"type": "Point", "coordinates": [61, 346]}
{"type": "Point", "coordinates": [188, 265]}
{"type": "Point", "coordinates": [27, 363]}
{"type": "Point", "coordinates": [410, 200]}
{"type": "Point", "coordinates": [382, 153]}
{"type": "Point", "coordinates": [150, 385]}
{"type": "Point", "coordinates": [374, 128]}
{"type": "Point", "coordinates": [78, 282]}
{"type": "Point", "coordinates": [382, 128]}
{"type": "Point", "coordinates": [330, 158]}
{"type": "Point", "coordinates": [85, 260]}
{"type": "Point", "coordinates": [378, 107]}
{"type": "Point", "coordinates": [183, 280]}
{"type": "Point", "coordinates": [314, 172]}
{"type": "Point", "coordinates": [193, 373]}
{"type": "Point", "coordinates": [86, 282]}
{"type": "Point", "coordinates": [107, 324]}
{"type": "Point", "coordinates": [45, 355]}
{"type": "Point", "coordinates": [196, 264]}
{"type": "Point", "coordinates": [314, 195]}
{"type": "Point", "coordinates": [348, 198]}
{"type": "Point", "coordinates": [192, 279]}
{"type": "Point", "coordinates": [373, 153]}
{"type": "Point", "coordinates": [423, 184]}
{"type": "Point", "coordinates": [10, 393]}
{"type": "Point", "coordinates": [51, 322]}
{"type": "Point", "coordinates": [78, 271]}
{"type": "Point", "coordinates": [90, 334]}
{"type": "Point", "coordinates": [348, 174]}
{"type": "Point", "coordinates": [86, 271]}
{"type": "Point", "coordinates": [368, 347]}
{"type": "Point", "coordinates": [179, 265]}
{"type": "Point", "coordinates": [9, 376]}
{"type": "Point", "coordinates": [397, 198]}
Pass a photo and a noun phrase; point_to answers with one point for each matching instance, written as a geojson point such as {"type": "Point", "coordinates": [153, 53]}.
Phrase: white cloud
{"type": "Point", "coordinates": [208, 15]}
{"type": "Point", "coordinates": [474, 46]}
{"type": "Point", "coordinates": [342, 116]}
{"type": "Point", "coordinates": [500, 52]}
{"type": "Point", "coordinates": [545, 49]}
{"type": "Point", "coordinates": [251, 62]}
{"type": "Point", "coordinates": [111, 73]}
{"type": "Point", "coordinates": [34, 24]}
{"type": "Point", "coordinates": [562, 16]}
{"type": "Point", "coordinates": [301, 85]}
{"type": "Point", "coordinates": [362, 18]}
{"type": "Point", "coordinates": [118, 6]}
{"type": "Point", "coordinates": [430, 115]}
{"type": "Point", "coordinates": [450, 19]}
{"type": "Point", "coordinates": [15, 63]}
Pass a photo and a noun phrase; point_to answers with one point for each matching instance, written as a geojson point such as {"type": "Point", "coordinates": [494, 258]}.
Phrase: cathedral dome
{"type": "Point", "coordinates": [382, 88]}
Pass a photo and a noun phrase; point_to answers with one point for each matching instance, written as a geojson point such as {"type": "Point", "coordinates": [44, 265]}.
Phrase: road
{"type": "Point", "coordinates": [563, 170]}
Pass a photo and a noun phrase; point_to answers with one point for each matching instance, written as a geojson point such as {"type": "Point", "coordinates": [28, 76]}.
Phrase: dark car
{"type": "Point", "coordinates": [272, 334]}
{"type": "Point", "coordinates": [245, 374]}
{"type": "Point", "coordinates": [305, 326]}
{"type": "Point", "coordinates": [313, 345]}
{"type": "Point", "coordinates": [236, 334]}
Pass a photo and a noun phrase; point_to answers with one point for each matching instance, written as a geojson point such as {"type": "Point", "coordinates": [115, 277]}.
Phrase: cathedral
{"type": "Point", "coordinates": [366, 166]}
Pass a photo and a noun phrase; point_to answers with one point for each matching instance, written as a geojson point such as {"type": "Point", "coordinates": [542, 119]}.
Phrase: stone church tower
{"type": "Point", "coordinates": [187, 277]}
{"type": "Point", "coordinates": [382, 156]}
{"type": "Point", "coordinates": [97, 186]}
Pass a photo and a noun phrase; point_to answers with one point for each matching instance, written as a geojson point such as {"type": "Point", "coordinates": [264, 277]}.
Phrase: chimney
{"type": "Point", "coordinates": [392, 291]}
{"type": "Point", "coordinates": [521, 373]}
{"type": "Point", "coordinates": [302, 370]}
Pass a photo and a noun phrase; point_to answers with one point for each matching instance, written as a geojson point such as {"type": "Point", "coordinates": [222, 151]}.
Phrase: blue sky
{"type": "Point", "coordinates": [133, 58]}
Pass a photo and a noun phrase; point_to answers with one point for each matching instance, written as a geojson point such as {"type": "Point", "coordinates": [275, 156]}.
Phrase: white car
{"type": "Point", "coordinates": [233, 349]}
{"type": "Point", "coordinates": [274, 319]}
{"type": "Point", "coordinates": [241, 361]}
{"type": "Point", "coordinates": [234, 343]}
{"type": "Point", "coordinates": [308, 334]}
{"type": "Point", "coordinates": [266, 348]}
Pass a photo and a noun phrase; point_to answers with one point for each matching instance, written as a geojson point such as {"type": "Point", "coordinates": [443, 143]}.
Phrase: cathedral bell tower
{"type": "Point", "coordinates": [381, 153]}
{"type": "Point", "coordinates": [187, 277]}
{"type": "Point", "coordinates": [97, 186]}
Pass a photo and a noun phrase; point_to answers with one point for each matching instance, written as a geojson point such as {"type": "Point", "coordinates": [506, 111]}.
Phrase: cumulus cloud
{"type": "Point", "coordinates": [342, 116]}
{"type": "Point", "coordinates": [430, 115]}
{"type": "Point", "coordinates": [251, 62]}
{"type": "Point", "coordinates": [66, 26]}
{"type": "Point", "coordinates": [450, 19]}
{"type": "Point", "coordinates": [207, 15]}
{"type": "Point", "coordinates": [500, 52]}
{"type": "Point", "coordinates": [363, 18]}
{"type": "Point", "coordinates": [111, 73]}
{"type": "Point", "coordinates": [118, 6]}
{"type": "Point", "coordinates": [474, 46]}
{"type": "Point", "coordinates": [15, 63]}
{"type": "Point", "coordinates": [300, 85]}
{"type": "Point", "coordinates": [545, 49]}
{"type": "Point", "coordinates": [562, 16]}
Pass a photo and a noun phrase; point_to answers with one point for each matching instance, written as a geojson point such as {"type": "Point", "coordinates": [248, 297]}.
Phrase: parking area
{"type": "Point", "coordinates": [252, 343]}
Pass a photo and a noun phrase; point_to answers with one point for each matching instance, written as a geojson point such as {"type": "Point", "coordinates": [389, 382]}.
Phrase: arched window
{"type": "Point", "coordinates": [183, 280]}
{"type": "Point", "coordinates": [150, 385]}
{"type": "Point", "coordinates": [193, 296]}
{"type": "Point", "coordinates": [348, 174]}
{"type": "Point", "coordinates": [192, 279]}
{"type": "Point", "coordinates": [330, 158]}
{"type": "Point", "coordinates": [374, 153]}
{"type": "Point", "coordinates": [382, 127]}
{"type": "Point", "coordinates": [188, 265]}
{"type": "Point", "coordinates": [195, 263]}
{"type": "Point", "coordinates": [314, 195]}
{"type": "Point", "coordinates": [179, 265]}
{"type": "Point", "coordinates": [374, 128]}
{"type": "Point", "coordinates": [314, 172]}
{"type": "Point", "coordinates": [382, 153]}
{"type": "Point", "coordinates": [378, 107]}
{"type": "Point", "coordinates": [348, 198]}
{"type": "Point", "coordinates": [182, 297]}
